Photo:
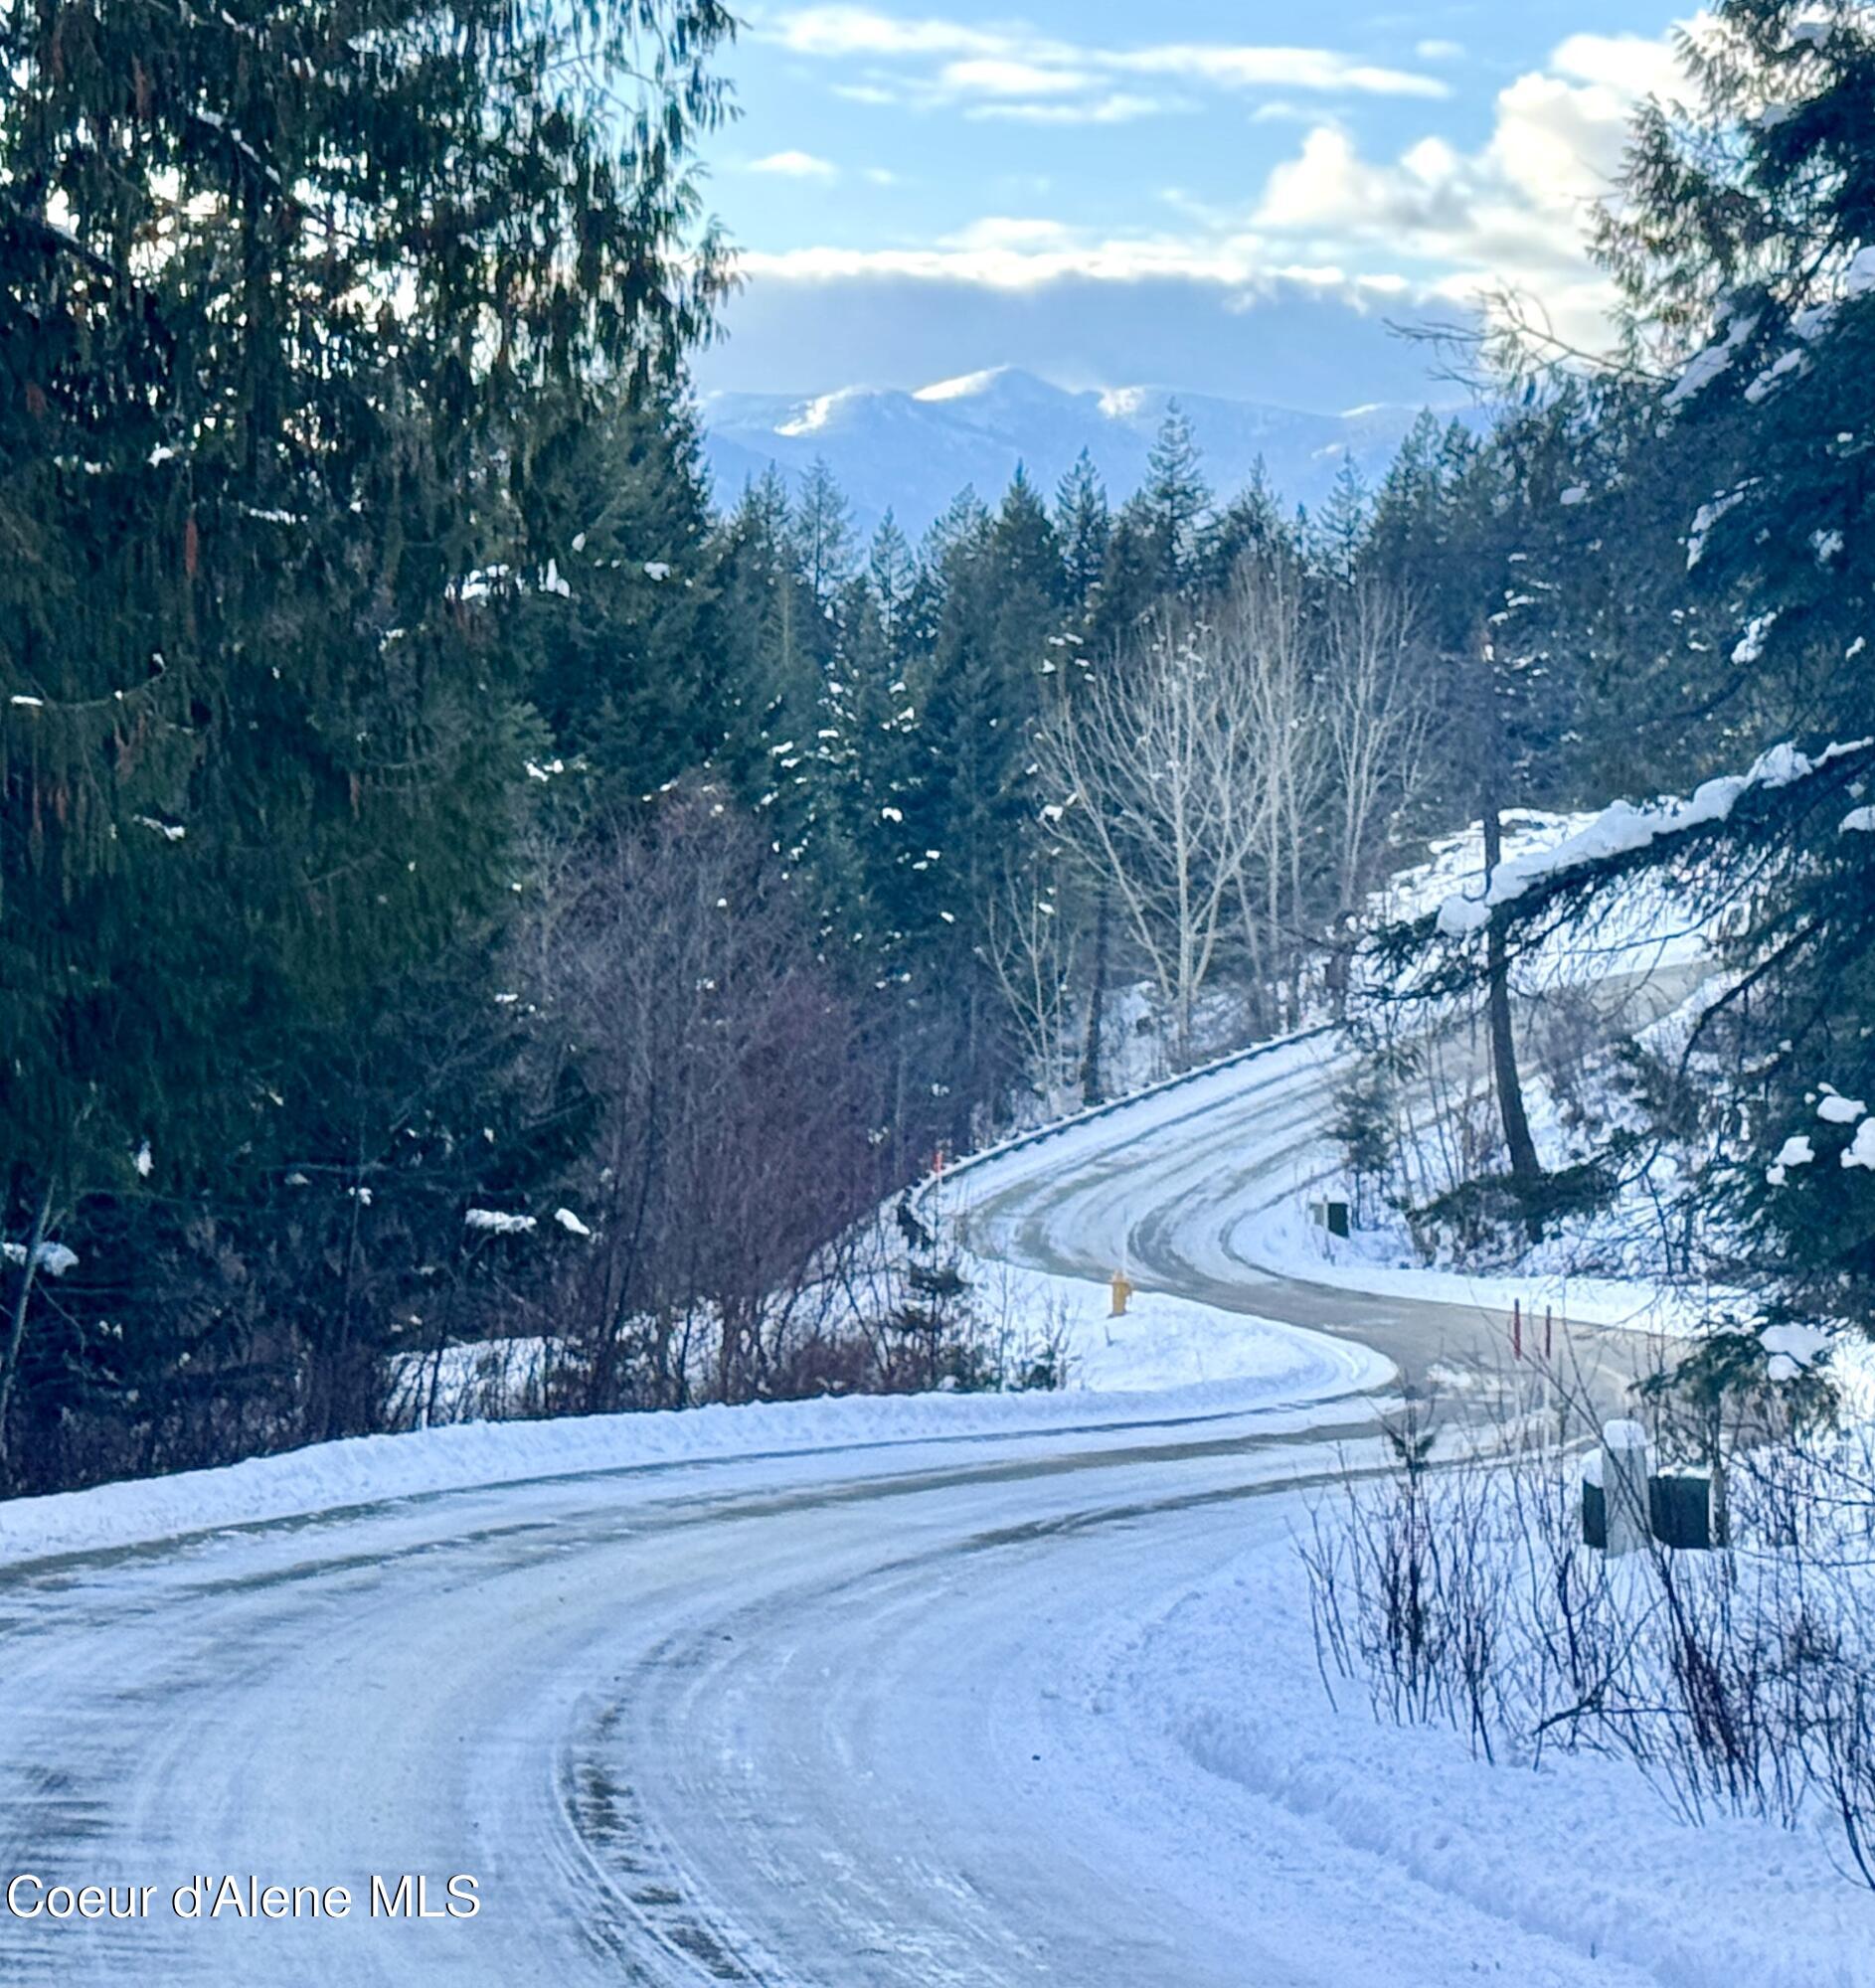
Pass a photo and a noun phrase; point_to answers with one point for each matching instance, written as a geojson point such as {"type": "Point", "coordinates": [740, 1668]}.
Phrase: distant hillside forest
{"type": "Point", "coordinates": [458, 882]}
{"type": "Point", "coordinates": [910, 453]}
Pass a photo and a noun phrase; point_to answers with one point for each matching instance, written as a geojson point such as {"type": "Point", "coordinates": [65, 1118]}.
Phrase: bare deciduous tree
{"type": "Point", "coordinates": [1263, 632]}
{"type": "Point", "coordinates": [1154, 756]}
{"type": "Point", "coordinates": [1031, 950]}
{"type": "Point", "coordinates": [732, 1095]}
{"type": "Point", "coordinates": [1375, 711]}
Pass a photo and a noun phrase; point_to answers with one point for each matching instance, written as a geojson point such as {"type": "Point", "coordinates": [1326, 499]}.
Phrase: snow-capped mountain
{"type": "Point", "coordinates": [913, 453]}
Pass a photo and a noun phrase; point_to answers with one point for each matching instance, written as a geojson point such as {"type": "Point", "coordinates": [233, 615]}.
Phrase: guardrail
{"type": "Point", "coordinates": [1021, 1141]}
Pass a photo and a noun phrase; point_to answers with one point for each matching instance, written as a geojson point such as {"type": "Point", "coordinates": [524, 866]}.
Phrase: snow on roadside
{"type": "Point", "coordinates": [1175, 1348]}
{"type": "Point", "coordinates": [1281, 1237]}
{"type": "Point", "coordinates": [1455, 863]}
{"type": "Point", "coordinates": [1580, 1851]}
{"type": "Point", "coordinates": [1170, 1360]}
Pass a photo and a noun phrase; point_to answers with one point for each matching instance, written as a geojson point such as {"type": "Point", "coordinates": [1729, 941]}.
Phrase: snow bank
{"type": "Point", "coordinates": [1170, 1360]}
{"type": "Point", "coordinates": [1579, 1852]}
{"type": "Point", "coordinates": [1279, 1237]}
{"type": "Point", "coordinates": [1168, 1347]}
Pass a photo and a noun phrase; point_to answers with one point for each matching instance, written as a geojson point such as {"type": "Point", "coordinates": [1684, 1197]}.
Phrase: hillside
{"type": "Point", "coordinates": [913, 453]}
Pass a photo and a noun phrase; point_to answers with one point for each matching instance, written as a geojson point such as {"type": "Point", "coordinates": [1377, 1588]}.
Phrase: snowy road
{"type": "Point", "coordinates": [846, 1718]}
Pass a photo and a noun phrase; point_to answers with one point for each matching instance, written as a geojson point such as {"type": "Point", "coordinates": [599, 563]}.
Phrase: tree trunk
{"type": "Point", "coordinates": [16, 1323]}
{"type": "Point", "coordinates": [1526, 1170]}
{"type": "Point", "coordinates": [1093, 1087]}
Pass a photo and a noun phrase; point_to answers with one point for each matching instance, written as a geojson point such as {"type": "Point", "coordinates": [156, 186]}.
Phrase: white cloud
{"type": "Point", "coordinates": [1431, 221]}
{"type": "Point", "coordinates": [1439, 50]}
{"type": "Point", "coordinates": [1000, 231]}
{"type": "Point", "coordinates": [859, 30]}
{"type": "Point", "coordinates": [1001, 75]}
{"type": "Point", "coordinates": [1118, 107]}
{"type": "Point", "coordinates": [1513, 213]}
{"type": "Point", "coordinates": [955, 63]}
{"type": "Point", "coordinates": [796, 166]}
{"type": "Point", "coordinates": [1634, 66]}
{"type": "Point", "coordinates": [1010, 255]}
{"type": "Point", "coordinates": [1274, 69]}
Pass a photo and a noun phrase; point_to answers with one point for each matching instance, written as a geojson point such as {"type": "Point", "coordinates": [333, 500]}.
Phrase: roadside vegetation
{"type": "Point", "coordinates": [465, 884]}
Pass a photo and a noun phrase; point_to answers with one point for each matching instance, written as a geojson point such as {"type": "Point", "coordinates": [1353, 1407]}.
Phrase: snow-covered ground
{"type": "Point", "coordinates": [1169, 1360]}
{"type": "Point", "coordinates": [1009, 1691]}
{"type": "Point", "coordinates": [1283, 1235]}
{"type": "Point", "coordinates": [1580, 1854]}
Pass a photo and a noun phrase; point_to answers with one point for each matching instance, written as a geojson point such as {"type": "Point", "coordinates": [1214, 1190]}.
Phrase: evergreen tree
{"type": "Point", "coordinates": [823, 534]}
{"type": "Point", "coordinates": [288, 305]}
{"type": "Point", "coordinates": [1175, 496]}
{"type": "Point", "coordinates": [1250, 524]}
{"type": "Point", "coordinates": [1083, 524]}
{"type": "Point", "coordinates": [1338, 532]}
{"type": "Point", "coordinates": [893, 571]}
{"type": "Point", "coordinates": [614, 659]}
{"type": "Point", "coordinates": [998, 592]}
{"type": "Point", "coordinates": [768, 683]}
{"type": "Point", "coordinates": [1744, 245]}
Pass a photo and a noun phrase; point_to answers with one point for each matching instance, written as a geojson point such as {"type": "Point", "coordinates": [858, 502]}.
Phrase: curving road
{"type": "Point", "coordinates": [789, 1721]}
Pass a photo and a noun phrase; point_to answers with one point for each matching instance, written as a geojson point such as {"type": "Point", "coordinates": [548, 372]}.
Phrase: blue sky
{"type": "Point", "coordinates": [1219, 197]}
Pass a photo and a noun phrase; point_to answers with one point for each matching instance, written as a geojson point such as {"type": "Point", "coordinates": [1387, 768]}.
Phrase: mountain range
{"type": "Point", "coordinates": [913, 453]}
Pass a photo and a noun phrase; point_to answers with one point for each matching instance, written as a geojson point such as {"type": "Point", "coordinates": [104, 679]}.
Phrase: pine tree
{"type": "Point", "coordinates": [1175, 496]}
{"type": "Point", "coordinates": [996, 594]}
{"type": "Point", "coordinates": [1250, 525]}
{"type": "Point", "coordinates": [824, 532]}
{"type": "Point", "coordinates": [614, 660]}
{"type": "Point", "coordinates": [893, 571]}
{"type": "Point", "coordinates": [1083, 524]}
{"type": "Point", "coordinates": [1338, 530]}
{"type": "Point", "coordinates": [1745, 245]}
{"type": "Point", "coordinates": [286, 312]}
{"type": "Point", "coordinates": [766, 688]}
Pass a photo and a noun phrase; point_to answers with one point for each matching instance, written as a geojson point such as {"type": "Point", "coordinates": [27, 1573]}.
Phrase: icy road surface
{"type": "Point", "coordinates": [798, 1720]}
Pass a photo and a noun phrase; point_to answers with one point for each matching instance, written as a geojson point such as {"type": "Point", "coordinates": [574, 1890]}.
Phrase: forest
{"type": "Point", "coordinates": [464, 880]}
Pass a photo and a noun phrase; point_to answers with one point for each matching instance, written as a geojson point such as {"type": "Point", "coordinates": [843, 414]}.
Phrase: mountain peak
{"type": "Point", "coordinates": [913, 453]}
{"type": "Point", "coordinates": [1003, 382]}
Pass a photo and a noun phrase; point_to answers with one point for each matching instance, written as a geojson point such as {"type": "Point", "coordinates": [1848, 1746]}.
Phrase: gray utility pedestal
{"type": "Point", "coordinates": [1625, 1455]}
{"type": "Point", "coordinates": [1625, 1504]}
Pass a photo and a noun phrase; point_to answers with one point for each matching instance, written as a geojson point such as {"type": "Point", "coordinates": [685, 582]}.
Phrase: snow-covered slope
{"type": "Point", "coordinates": [915, 451]}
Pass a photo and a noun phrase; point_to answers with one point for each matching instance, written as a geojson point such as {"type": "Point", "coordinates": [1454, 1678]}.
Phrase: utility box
{"type": "Point", "coordinates": [1681, 1508]}
{"type": "Point", "coordinates": [1627, 1457]}
{"type": "Point", "coordinates": [1330, 1215]}
{"type": "Point", "coordinates": [1595, 1517]}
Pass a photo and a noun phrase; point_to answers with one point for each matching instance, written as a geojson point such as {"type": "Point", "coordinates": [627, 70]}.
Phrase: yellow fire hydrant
{"type": "Point", "coordinates": [1123, 1290]}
